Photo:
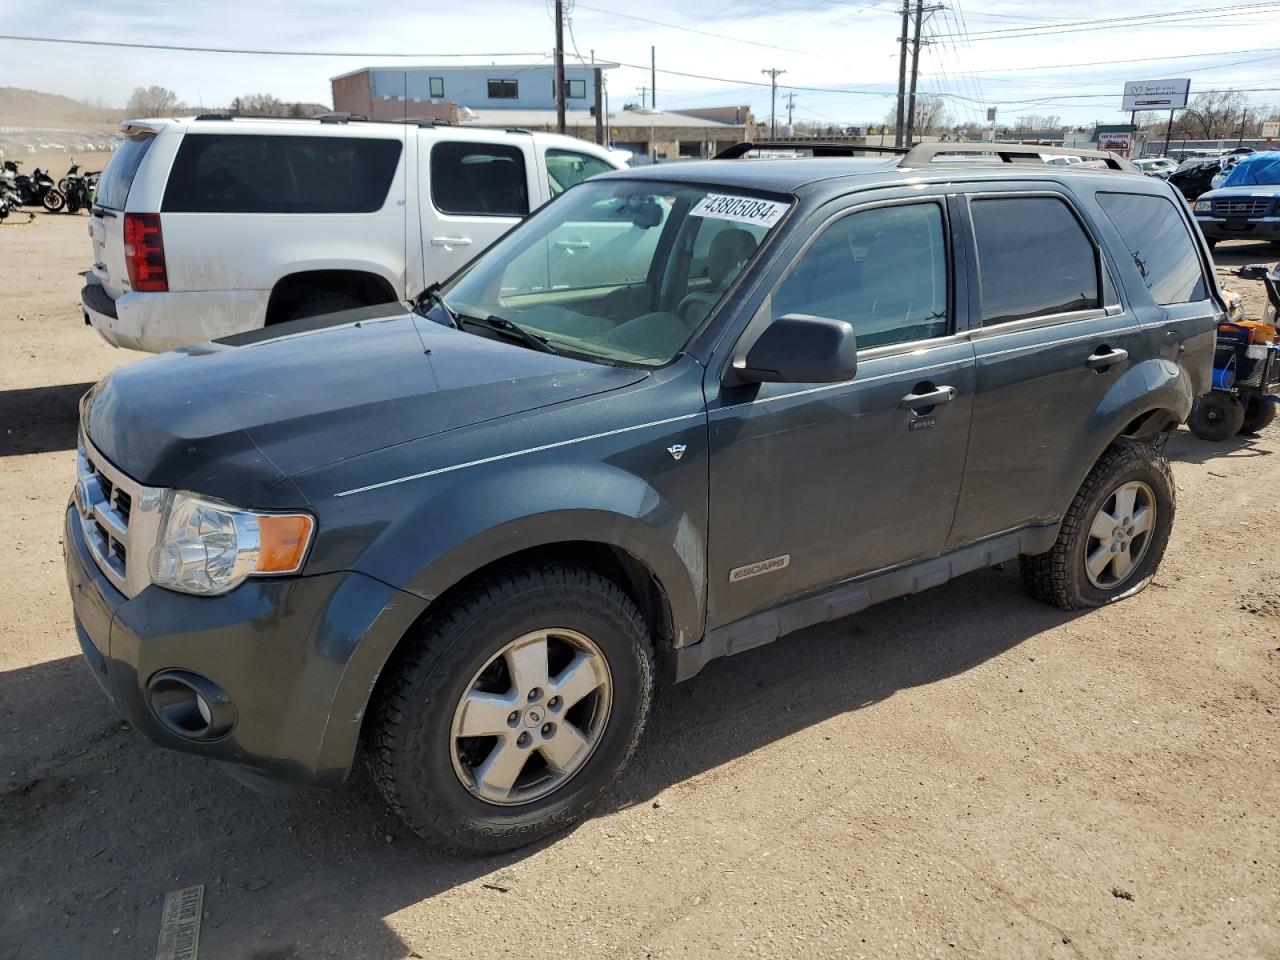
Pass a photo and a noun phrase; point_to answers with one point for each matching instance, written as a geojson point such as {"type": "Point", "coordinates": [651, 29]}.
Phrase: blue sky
{"type": "Point", "coordinates": [833, 45]}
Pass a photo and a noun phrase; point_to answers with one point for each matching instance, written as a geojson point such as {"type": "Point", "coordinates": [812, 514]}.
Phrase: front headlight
{"type": "Point", "coordinates": [1204, 206]}
{"type": "Point", "coordinates": [207, 548]}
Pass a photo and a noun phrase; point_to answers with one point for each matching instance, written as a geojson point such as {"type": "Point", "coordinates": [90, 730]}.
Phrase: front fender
{"type": "Point", "coordinates": [468, 525]}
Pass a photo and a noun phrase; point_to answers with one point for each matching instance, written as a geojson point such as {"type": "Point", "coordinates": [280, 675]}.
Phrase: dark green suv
{"type": "Point", "coordinates": [677, 413]}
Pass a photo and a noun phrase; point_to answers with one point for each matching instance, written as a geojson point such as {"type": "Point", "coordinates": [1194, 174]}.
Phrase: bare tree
{"type": "Point", "coordinates": [1216, 114]}
{"type": "Point", "coordinates": [932, 117]}
{"type": "Point", "coordinates": [152, 102]}
{"type": "Point", "coordinates": [259, 105]}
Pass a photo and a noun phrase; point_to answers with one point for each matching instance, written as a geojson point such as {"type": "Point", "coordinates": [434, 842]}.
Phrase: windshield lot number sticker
{"type": "Point", "coordinates": [721, 206]}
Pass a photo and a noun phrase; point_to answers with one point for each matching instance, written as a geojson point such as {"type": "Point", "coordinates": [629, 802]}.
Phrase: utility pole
{"type": "Point", "coordinates": [791, 105]}
{"type": "Point", "coordinates": [773, 73]}
{"type": "Point", "coordinates": [597, 76]}
{"type": "Point", "coordinates": [653, 78]}
{"type": "Point", "coordinates": [643, 91]}
{"type": "Point", "coordinates": [559, 66]}
{"type": "Point", "coordinates": [902, 73]}
{"type": "Point", "coordinates": [921, 10]}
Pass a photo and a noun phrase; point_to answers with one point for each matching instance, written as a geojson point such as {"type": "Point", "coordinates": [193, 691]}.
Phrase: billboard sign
{"type": "Point", "coordinates": [1115, 142]}
{"type": "Point", "coordinates": [1271, 129]}
{"type": "Point", "coordinates": [1156, 94]}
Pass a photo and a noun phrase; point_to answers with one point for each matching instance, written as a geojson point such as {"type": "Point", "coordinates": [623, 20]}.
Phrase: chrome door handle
{"type": "Point", "coordinates": [1105, 357]}
{"type": "Point", "coordinates": [573, 244]}
{"type": "Point", "coordinates": [451, 241]}
{"type": "Point", "coordinates": [930, 398]}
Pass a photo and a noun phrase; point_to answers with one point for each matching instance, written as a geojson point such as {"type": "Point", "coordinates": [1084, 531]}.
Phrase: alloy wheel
{"type": "Point", "coordinates": [1119, 535]}
{"type": "Point", "coordinates": [531, 717]}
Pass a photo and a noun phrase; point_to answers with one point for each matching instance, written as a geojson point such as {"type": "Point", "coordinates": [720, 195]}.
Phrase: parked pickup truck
{"type": "Point", "coordinates": [469, 537]}
{"type": "Point", "coordinates": [211, 226]}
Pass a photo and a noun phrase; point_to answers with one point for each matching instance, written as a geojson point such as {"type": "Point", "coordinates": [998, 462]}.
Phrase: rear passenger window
{"type": "Point", "coordinates": [884, 270]}
{"type": "Point", "coordinates": [244, 173]}
{"type": "Point", "coordinates": [479, 180]}
{"type": "Point", "coordinates": [567, 167]}
{"type": "Point", "coordinates": [1034, 259]}
{"type": "Point", "coordinates": [1157, 239]}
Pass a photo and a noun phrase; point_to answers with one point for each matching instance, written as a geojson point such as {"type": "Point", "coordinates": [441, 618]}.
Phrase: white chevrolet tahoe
{"type": "Point", "coordinates": [211, 226]}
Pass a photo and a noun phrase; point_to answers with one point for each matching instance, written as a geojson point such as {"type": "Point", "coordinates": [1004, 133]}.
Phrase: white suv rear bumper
{"type": "Point", "coordinates": [165, 321]}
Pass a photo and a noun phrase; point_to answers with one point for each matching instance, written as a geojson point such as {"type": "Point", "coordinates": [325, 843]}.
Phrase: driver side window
{"type": "Point", "coordinates": [884, 270]}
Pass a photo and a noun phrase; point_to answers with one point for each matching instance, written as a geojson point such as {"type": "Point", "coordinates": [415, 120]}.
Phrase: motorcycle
{"type": "Point", "coordinates": [78, 190]}
{"type": "Point", "coordinates": [38, 189]}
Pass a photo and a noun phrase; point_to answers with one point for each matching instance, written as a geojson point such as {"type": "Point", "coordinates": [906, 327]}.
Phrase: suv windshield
{"type": "Point", "coordinates": [617, 270]}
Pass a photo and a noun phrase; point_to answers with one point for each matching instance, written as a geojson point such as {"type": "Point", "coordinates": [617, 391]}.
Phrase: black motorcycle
{"type": "Point", "coordinates": [35, 190]}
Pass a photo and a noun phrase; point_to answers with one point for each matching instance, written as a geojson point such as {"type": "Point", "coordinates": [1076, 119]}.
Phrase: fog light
{"type": "Point", "coordinates": [190, 706]}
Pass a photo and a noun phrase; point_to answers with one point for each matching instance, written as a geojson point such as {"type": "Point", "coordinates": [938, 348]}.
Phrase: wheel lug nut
{"type": "Point", "coordinates": [513, 717]}
{"type": "Point", "coordinates": [546, 729]}
{"type": "Point", "coordinates": [523, 740]}
{"type": "Point", "coordinates": [535, 694]}
{"type": "Point", "coordinates": [554, 703]}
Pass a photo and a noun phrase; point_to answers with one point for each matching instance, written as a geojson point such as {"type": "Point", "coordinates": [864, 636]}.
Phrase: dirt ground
{"type": "Point", "coordinates": [964, 773]}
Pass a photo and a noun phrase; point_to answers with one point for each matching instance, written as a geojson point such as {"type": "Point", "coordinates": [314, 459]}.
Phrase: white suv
{"type": "Point", "coordinates": [211, 226]}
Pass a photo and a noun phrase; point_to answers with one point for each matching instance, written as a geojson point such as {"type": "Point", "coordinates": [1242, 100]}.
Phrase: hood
{"type": "Point", "coordinates": [1222, 193]}
{"type": "Point", "coordinates": [229, 421]}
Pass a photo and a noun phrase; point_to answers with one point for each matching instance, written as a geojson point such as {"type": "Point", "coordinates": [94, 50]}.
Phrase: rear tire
{"type": "Point", "coordinates": [1216, 416]}
{"type": "Point", "coordinates": [1113, 535]}
{"type": "Point", "coordinates": [1259, 412]}
{"type": "Point", "coordinates": [319, 304]}
{"type": "Point", "coordinates": [472, 664]}
{"type": "Point", "coordinates": [54, 200]}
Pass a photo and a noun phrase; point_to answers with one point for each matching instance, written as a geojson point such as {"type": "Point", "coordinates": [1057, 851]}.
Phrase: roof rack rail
{"type": "Point", "coordinates": [214, 116]}
{"type": "Point", "coordinates": [518, 130]}
{"type": "Point", "coordinates": [337, 118]}
{"type": "Point", "coordinates": [820, 148]}
{"type": "Point", "coordinates": [922, 154]}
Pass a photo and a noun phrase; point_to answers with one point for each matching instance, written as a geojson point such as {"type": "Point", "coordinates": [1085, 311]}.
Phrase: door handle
{"type": "Point", "coordinates": [451, 241]}
{"type": "Point", "coordinates": [1105, 357]}
{"type": "Point", "coordinates": [573, 244]}
{"type": "Point", "coordinates": [928, 398]}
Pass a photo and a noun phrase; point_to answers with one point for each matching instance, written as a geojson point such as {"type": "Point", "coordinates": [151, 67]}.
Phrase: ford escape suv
{"type": "Point", "coordinates": [466, 539]}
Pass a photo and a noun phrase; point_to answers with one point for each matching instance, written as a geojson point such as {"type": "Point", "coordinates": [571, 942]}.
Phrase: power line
{"type": "Point", "coordinates": [1117, 23]}
{"type": "Point", "coordinates": [263, 53]}
{"type": "Point", "coordinates": [1111, 63]}
{"type": "Point", "coordinates": [704, 33]}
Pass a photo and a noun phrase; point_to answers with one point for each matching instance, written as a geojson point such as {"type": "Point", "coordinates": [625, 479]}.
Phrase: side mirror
{"type": "Point", "coordinates": [798, 348]}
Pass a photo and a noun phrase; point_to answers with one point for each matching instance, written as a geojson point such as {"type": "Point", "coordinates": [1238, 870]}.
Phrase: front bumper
{"type": "Point", "coordinates": [166, 321]}
{"type": "Point", "coordinates": [1259, 228]}
{"type": "Point", "coordinates": [296, 656]}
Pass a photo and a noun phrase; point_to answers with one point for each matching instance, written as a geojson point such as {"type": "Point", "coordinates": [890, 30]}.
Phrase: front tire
{"type": "Point", "coordinates": [1216, 416]}
{"type": "Point", "coordinates": [54, 201]}
{"type": "Point", "coordinates": [514, 710]}
{"type": "Point", "coordinates": [1113, 535]}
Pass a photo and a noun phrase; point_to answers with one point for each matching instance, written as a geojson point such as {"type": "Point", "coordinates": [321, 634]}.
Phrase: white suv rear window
{"type": "Point", "coordinates": [117, 178]}
{"type": "Point", "coordinates": [248, 173]}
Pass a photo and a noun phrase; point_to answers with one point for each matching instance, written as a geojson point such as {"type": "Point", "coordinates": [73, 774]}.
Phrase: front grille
{"type": "Point", "coordinates": [1242, 207]}
{"type": "Point", "coordinates": [116, 513]}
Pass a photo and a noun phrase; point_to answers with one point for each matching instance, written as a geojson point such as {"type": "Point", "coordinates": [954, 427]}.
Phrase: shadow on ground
{"type": "Point", "coordinates": [96, 824]}
{"type": "Point", "coordinates": [40, 419]}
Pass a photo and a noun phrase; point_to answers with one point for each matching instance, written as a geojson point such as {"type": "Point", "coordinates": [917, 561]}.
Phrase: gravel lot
{"type": "Point", "coordinates": [964, 773]}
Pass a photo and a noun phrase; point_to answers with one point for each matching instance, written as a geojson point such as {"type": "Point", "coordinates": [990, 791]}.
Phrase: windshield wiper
{"type": "Point", "coordinates": [432, 295]}
{"type": "Point", "coordinates": [506, 327]}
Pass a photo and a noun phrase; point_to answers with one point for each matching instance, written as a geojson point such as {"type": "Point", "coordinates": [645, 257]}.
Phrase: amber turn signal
{"type": "Point", "coordinates": [282, 541]}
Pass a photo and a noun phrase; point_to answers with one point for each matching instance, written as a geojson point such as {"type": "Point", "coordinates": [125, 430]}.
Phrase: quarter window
{"type": "Point", "coordinates": [436, 85]}
{"type": "Point", "coordinates": [884, 270]}
{"type": "Point", "coordinates": [504, 89]}
{"type": "Point", "coordinates": [242, 173]}
{"type": "Point", "coordinates": [1034, 259]}
{"type": "Point", "coordinates": [1158, 241]}
{"type": "Point", "coordinates": [479, 179]}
